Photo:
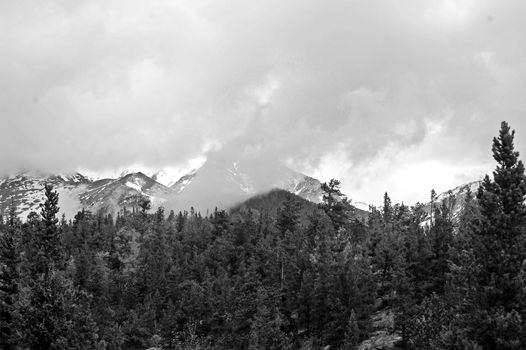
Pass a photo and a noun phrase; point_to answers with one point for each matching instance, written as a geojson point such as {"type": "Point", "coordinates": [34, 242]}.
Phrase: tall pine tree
{"type": "Point", "coordinates": [9, 281]}
{"type": "Point", "coordinates": [48, 241]}
{"type": "Point", "coordinates": [498, 242]}
{"type": "Point", "coordinates": [55, 315]}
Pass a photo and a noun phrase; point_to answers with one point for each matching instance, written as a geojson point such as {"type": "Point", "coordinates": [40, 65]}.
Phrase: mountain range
{"type": "Point", "coordinates": [212, 184]}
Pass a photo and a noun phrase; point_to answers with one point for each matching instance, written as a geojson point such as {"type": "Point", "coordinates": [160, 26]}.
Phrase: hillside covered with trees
{"type": "Point", "coordinates": [280, 273]}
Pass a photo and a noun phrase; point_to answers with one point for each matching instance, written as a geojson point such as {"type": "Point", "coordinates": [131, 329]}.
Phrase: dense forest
{"type": "Point", "coordinates": [286, 275]}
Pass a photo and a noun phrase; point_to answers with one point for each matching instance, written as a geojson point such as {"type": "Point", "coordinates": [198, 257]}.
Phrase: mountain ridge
{"type": "Point", "coordinates": [221, 182]}
{"type": "Point", "coordinates": [209, 185]}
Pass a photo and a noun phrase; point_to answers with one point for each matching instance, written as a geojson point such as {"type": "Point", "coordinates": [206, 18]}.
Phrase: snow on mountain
{"type": "Point", "coordinates": [454, 199]}
{"type": "Point", "coordinates": [76, 191]}
{"type": "Point", "coordinates": [75, 178]}
{"type": "Point", "coordinates": [460, 191]}
{"type": "Point", "coordinates": [208, 184]}
{"type": "Point", "coordinates": [111, 195]}
{"type": "Point", "coordinates": [362, 206]}
{"type": "Point", "coordinates": [169, 176]}
{"type": "Point", "coordinates": [184, 181]}
{"type": "Point", "coordinates": [302, 185]}
{"type": "Point", "coordinates": [126, 172]}
{"type": "Point", "coordinates": [25, 190]}
{"type": "Point", "coordinates": [225, 183]}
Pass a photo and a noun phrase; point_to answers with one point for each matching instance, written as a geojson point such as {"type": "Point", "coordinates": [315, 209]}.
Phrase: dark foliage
{"type": "Point", "coordinates": [276, 272]}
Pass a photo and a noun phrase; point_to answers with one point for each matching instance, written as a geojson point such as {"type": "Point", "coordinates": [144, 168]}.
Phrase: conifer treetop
{"type": "Point", "coordinates": [507, 190]}
{"type": "Point", "coordinates": [50, 207]}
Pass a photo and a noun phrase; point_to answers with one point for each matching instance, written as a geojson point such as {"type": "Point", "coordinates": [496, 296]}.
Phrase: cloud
{"type": "Point", "coordinates": [99, 85]}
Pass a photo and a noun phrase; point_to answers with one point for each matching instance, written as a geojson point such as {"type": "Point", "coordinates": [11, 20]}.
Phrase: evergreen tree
{"type": "Point", "coordinates": [265, 332]}
{"type": "Point", "coordinates": [486, 291]}
{"type": "Point", "coordinates": [48, 239]}
{"type": "Point", "coordinates": [432, 206]}
{"type": "Point", "coordinates": [335, 204]}
{"type": "Point", "coordinates": [145, 204]}
{"type": "Point", "coordinates": [387, 209]}
{"type": "Point", "coordinates": [9, 282]}
{"type": "Point", "coordinates": [288, 216]}
{"type": "Point", "coordinates": [352, 333]}
{"type": "Point", "coordinates": [499, 248]}
{"type": "Point", "coordinates": [55, 315]}
{"type": "Point", "coordinates": [440, 239]}
{"type": "Point", "coordinates": [13, 219]}
{"type": "Point", "coordinates": [171, 216]}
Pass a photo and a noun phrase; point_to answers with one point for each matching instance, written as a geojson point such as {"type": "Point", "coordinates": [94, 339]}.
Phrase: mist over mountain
{"type": "Point", "coordinates": [215, 183]}
{"type": "Point", "coordinates": [224, 183]}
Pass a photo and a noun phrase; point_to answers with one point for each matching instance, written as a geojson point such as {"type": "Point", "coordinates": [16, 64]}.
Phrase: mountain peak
{"type": "Point", "coordinates": [224, 182]}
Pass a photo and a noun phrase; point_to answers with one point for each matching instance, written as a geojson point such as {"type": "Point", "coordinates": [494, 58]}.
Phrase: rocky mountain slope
{"type": "Point", "coordinates": [109, 194]}
{"type": "Point", "coordinates": [25, 191]}
{"type": "Point", "coordinates": [454, 199]}
{"type": "Point", "coordinates": [214, 183]}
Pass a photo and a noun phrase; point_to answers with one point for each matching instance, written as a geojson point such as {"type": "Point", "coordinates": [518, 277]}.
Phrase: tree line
{"type": "Point", "coordinates": [301, 277]}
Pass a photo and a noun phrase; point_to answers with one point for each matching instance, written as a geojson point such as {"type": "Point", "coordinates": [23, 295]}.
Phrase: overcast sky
{"type": "Point", "coordinates": [399, 96]}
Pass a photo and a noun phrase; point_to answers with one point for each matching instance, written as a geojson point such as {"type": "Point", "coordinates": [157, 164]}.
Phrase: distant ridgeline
{"type": "Point", "coordinates": [212, 185]}
{"type": "Point", "coordinates": [205, 188]}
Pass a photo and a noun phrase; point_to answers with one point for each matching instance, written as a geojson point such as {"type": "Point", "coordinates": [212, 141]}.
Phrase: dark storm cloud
{"type": "Point", "coordinates": [102, 84]}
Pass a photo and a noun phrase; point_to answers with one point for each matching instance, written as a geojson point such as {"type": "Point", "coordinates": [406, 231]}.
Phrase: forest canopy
{"type": "Point", "coordinates": [277, 272]}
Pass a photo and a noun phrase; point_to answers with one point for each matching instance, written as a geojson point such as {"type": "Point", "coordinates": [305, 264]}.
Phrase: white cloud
{"type": "Point", "coordinates": [107, 84]}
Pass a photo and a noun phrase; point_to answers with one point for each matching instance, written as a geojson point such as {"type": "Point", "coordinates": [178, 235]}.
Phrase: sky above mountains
{"type": "Point", "coordinates": [397, 96]}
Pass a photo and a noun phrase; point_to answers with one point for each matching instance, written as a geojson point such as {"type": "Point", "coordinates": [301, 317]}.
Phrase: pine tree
{"type": "Point", "coordinates": [387, 209]}
{"type": "Point", "coordinates": [288, 216]}
{"type": "Point", "coordinates": [503, 222]}
{"type": "Point", "coordinates": [55, 314]}
{"type": "Point", "coordinates": [145, 204]}
{"type": "Point", "coordinates": [171, 216]}
{"type": "Point", "coordinates": [498, 241]}
{"type": "Point", "coordinates": [432, 204]}
{"type": "Point", "coordinates": [221, 221]}
{"type": "Point", "coordinates": [9, 281]}
{"type": "Point", "coordinates": [265, 332]}
{"type": "Point", "coordinates": [48, 240]}
{"type": "Point", "coordinates": [335, 204]}
{"type": "Point", "coordinates": [441, 239]}
{"type": "Point", "coordinates": [352, 333]}
{"type": "Point", "coordinates": [12, 219]}
{"type": "Point", "coordinates": [181, 221]}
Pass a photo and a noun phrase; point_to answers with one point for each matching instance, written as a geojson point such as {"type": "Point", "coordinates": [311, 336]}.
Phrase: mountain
{"type": "Point", "coordinates": [212, 184]}
{"type": "Point", "coordinates": [269, 203]}
{"type": "Point", "coordinates": [109, 195]}
{"type": "Point", "coordinates": [77, 191]}
{"type": "Point", "coordinates": [25, 190]}
{"type": "Point", "coordinates": [226, 183]}
{"type": "Point", "coordinates": [455, 199]}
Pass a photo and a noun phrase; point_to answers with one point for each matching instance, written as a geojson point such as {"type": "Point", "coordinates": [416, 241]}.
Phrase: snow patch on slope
{"type": "Point", "coordinates": [134, 186]}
